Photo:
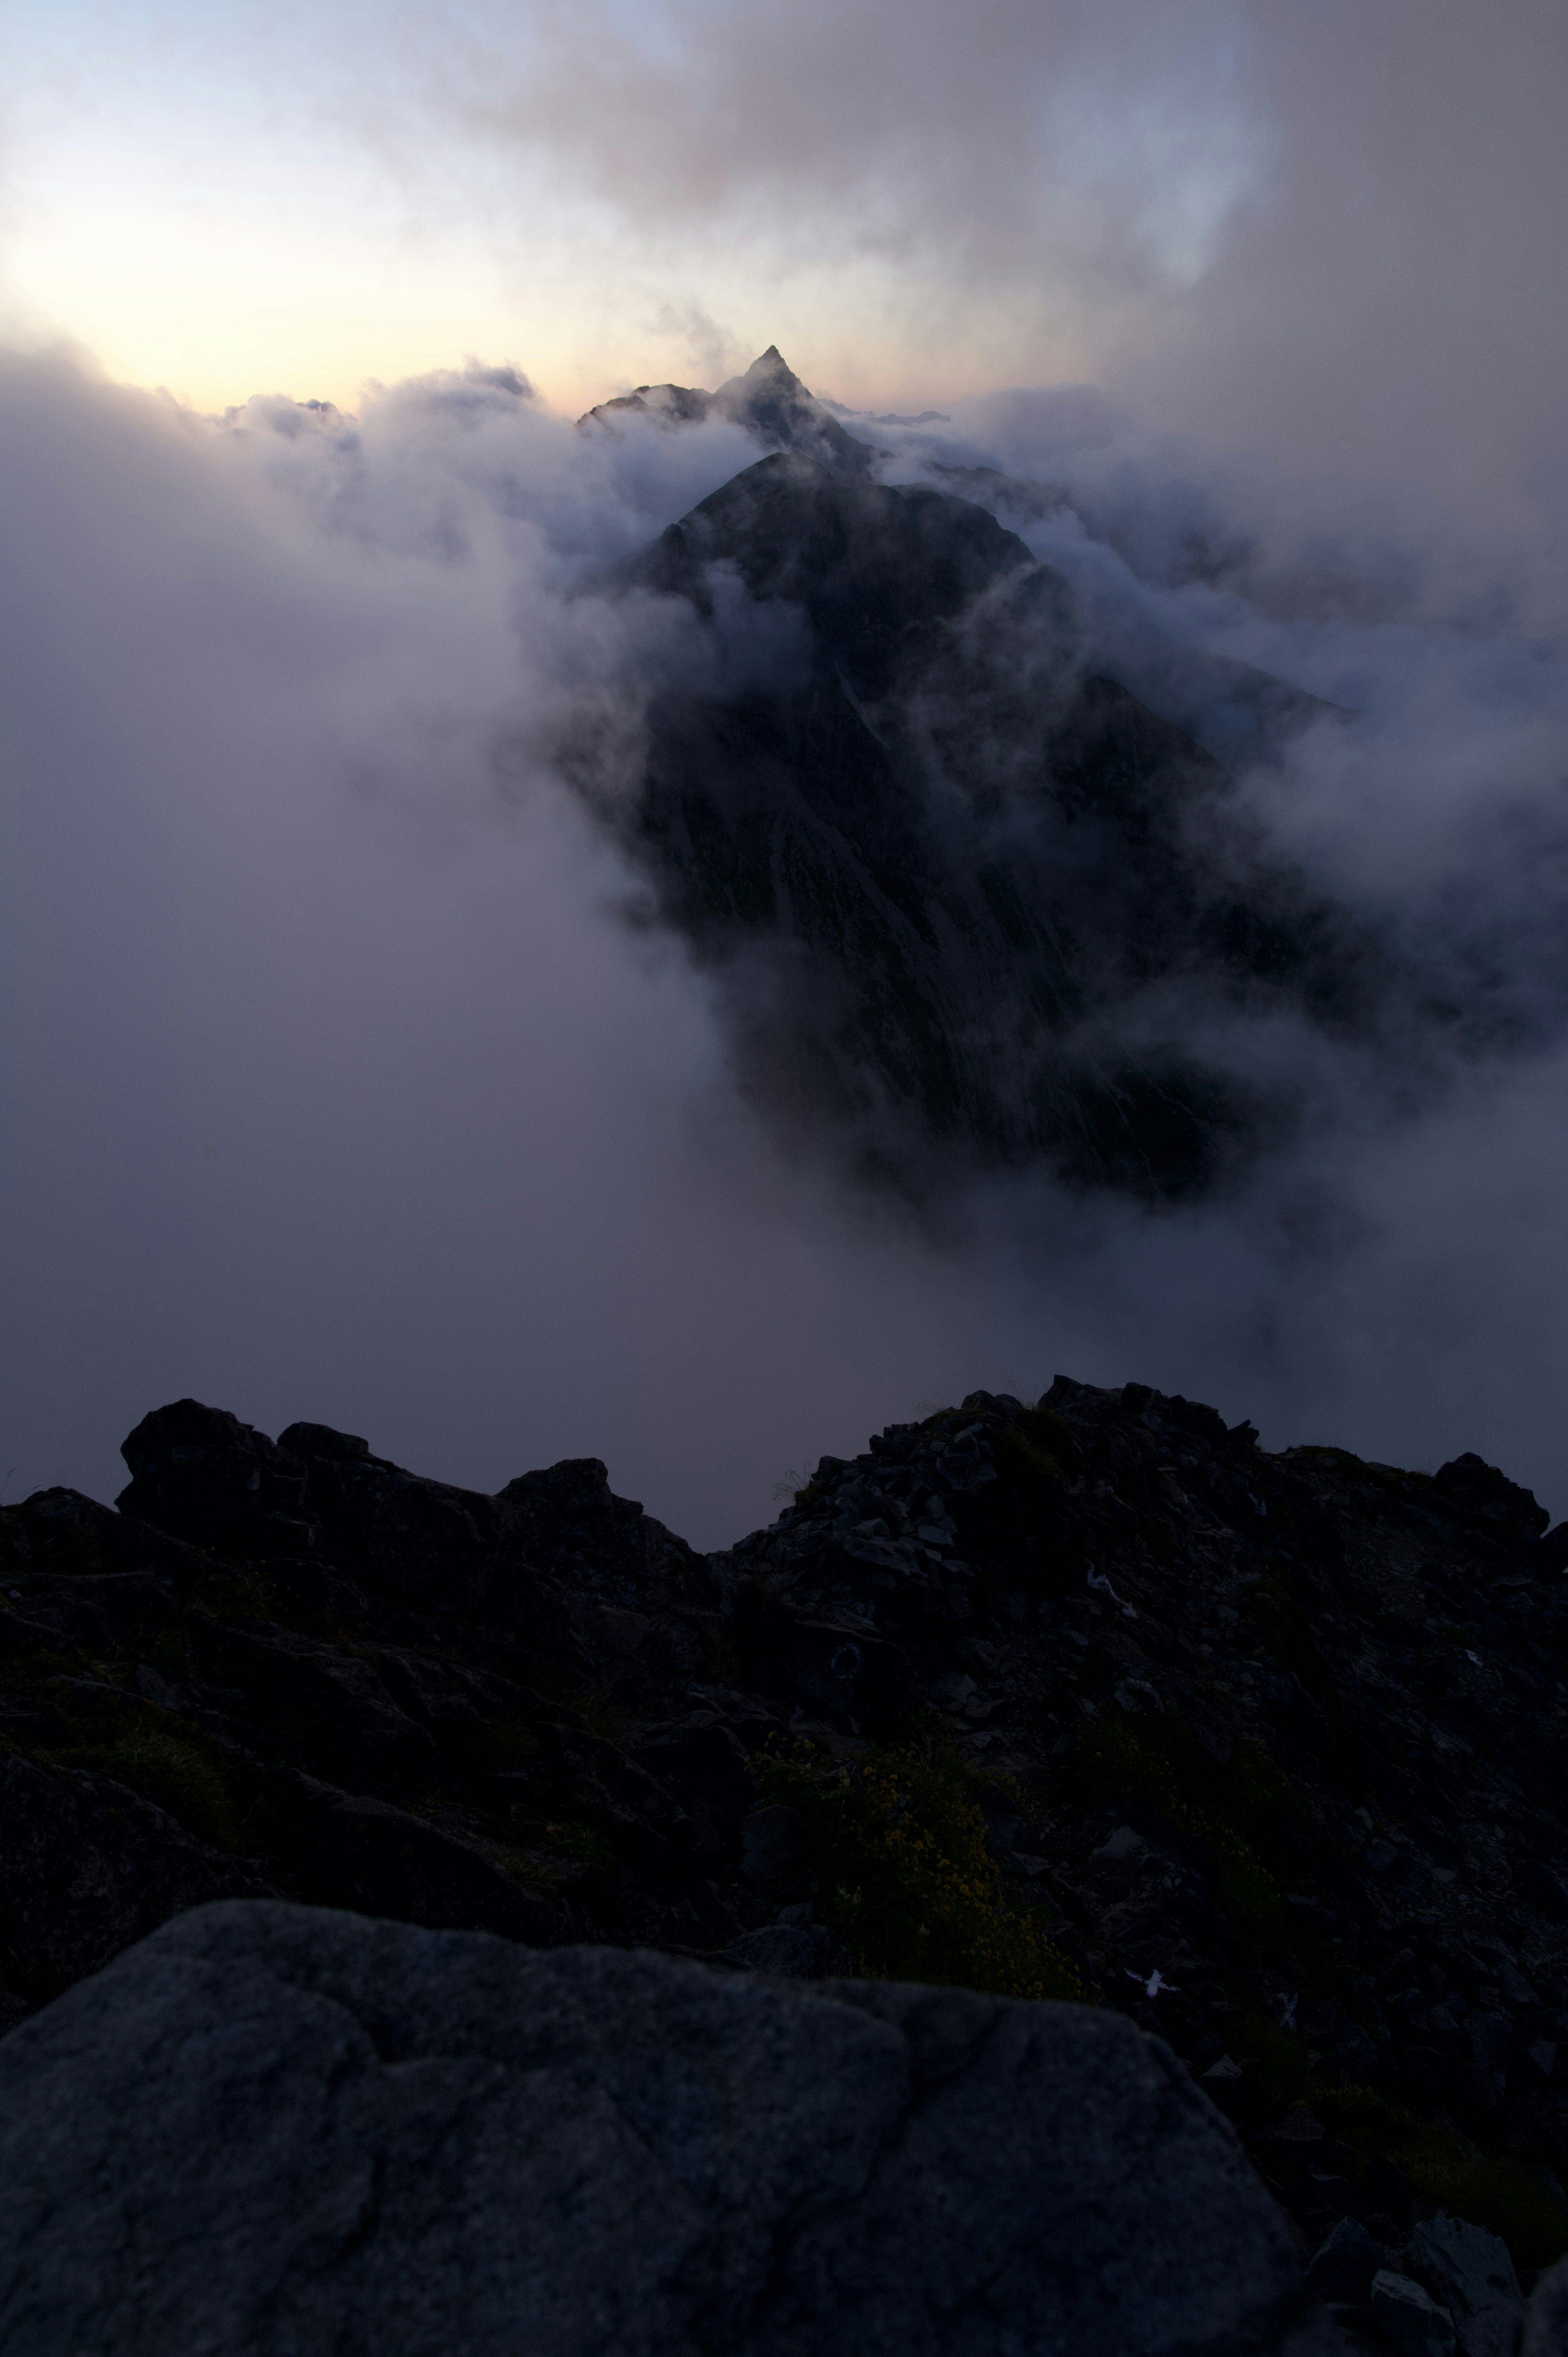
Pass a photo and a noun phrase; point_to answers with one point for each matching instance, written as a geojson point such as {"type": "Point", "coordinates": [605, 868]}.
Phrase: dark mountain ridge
{"type": "Point", "coordinates": [959, 837]}
{"type": "Point", "coordinates": [1266, 1750]}
{"type": "Point", "coordinates": [975, 905]}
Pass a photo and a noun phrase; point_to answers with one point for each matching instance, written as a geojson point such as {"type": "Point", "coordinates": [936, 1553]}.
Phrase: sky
{"type": "Point", "coordinates": [1327, 228]}
{"type": "Point", "coordinates": [333, 1086]}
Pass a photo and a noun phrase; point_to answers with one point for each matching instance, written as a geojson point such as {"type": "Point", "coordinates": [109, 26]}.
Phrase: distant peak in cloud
{"type": "Point", "coordinates": [769, 402]}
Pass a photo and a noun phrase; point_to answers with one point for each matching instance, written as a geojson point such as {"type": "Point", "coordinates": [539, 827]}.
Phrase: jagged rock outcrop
{"type": "Point", "coordinates": [1264, 1750]}
{"type": "Point", "coordinates": [268, 2129]}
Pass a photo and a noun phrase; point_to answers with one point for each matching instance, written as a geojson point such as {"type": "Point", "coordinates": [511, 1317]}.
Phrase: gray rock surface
{"type": "Point", "coordinates": [273, 2130]}
{"type": "Point", "coordinates": [1469, 2270]}
{"type": "Point", "coordinates": [87, 1867]}
{"type": "Point", "coordinates": [1546, 2322]}
{"type": "Point", "coordinates": [1343, 2269]}
{"type": "Point", "coordinates": [1408, 2318]}
{"type": "Point", "coordinates": [792, 1952]}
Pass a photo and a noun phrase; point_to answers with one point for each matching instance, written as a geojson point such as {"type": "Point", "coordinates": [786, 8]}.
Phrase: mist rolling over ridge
{"type": "Point", "coordinates": [1183, 998]}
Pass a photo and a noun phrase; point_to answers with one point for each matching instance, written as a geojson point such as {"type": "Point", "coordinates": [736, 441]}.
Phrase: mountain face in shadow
{"type": "Point", "coordinates": [975, 905]}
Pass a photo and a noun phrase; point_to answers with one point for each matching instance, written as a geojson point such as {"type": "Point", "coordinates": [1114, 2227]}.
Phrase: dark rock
{"type": "Point", "coordinates": [315, 1592]}
{"type": "Point", "coordinates": [1388, 2188]}
{"type": "Point", "coordinates": [1351, 2058]}
{"type": "Point", "coordinates": [345, 2135]}
{"type": "Point", "coordinates": [1546, 2319]}
{"type": "Point", "coordinates": [552, 1703]}
{"type": "Point", "coordinates": [845, 1671]}
{"type": "Point", "coordinates": [1471, 2273]}
{"type": "Point", "coordinates": [1480, 1489]}
{"type": "Point", "coordinates": [770, 1844]}
{"type": "Point", "coordinates": [797, 1951]}
{"type": "Point", "coordinates": [1544, 1889]}
{"type": "Point", "coordinates": [1356, 2331]}
{"type": "Point", "coordinates": [87, 1867]}
{"type": "Point", "coordinates": [423, 1541]}
{"type": "Point", "coordinates": [1003, 1823]}
{"type": "Point", "coordinates": [374, 1858]}
{"type": "Point", "coordinates": [201, 1475]}
{"type": "Point", "coordinates": [99, 1612]}
{"type": "Point", "coordinates": [1408, 2320]}
{"type": "Point", "coordinates": [343, 1718]}
{"type": "Point", "coordinates": [1490, 2038]}
{"type": "Point", "coordinates": [574, 1529]}
{"type": "Point", "coordinates": [703, 1764]}
{"type": "Point", "coordinates": [63, 1525]}
{"type": "Point", "coordinates": [912, 998]}
{"type": "Point", "coordinates": [1342, 2270]}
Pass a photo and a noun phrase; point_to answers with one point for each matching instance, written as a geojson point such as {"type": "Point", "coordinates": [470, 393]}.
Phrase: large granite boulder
{"type": "Point", "coordinates": [271, 2129]}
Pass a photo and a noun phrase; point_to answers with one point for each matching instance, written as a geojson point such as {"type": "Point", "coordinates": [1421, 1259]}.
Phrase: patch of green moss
{"type": "Point", "coordinates": [179, 1767]}
{"type": "Point", "coordinates": [589, 1703]}
{"type": "Point", "coordinates": [169, 1651]}
{"type": "Point", "coordinates": [903, 1875]}
{"type": "Point", "coordinates": [597, 1856]}
{"type": "Point", "coordinates": [521, 1865]}
{"type": "Point", "coordinates": [1039, 1441]}
{"type": "Point", "coordinates": [167, 1768]}
{"type": "Point", "coordinates": [1450, 2172]}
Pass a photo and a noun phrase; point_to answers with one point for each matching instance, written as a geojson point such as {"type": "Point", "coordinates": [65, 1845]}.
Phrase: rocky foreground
{"type": "Point", "coordinates": [1094, 1699]}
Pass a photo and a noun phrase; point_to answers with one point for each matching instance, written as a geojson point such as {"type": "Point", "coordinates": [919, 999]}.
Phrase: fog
{"type": "Point", "coordinates": [1326, 233]}
{"type": "Point", "coordinates": [336, 1085]}
{"type": "Point", "coordinates": [334, 1082]}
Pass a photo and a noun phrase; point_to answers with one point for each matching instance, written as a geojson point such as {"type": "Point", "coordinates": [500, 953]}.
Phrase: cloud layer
{"type": "Point", "coordinates": [337, 1088]}
{"type": "Point", "coordinates": [1327, 232]}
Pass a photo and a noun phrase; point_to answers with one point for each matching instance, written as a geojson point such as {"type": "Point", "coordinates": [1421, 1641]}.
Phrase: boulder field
{"type": "Point", "coordinates": [435, 1920]}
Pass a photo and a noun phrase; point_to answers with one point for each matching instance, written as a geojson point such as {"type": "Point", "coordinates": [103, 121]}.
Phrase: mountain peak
{"type": "Point", "coordinates": [769, 401]}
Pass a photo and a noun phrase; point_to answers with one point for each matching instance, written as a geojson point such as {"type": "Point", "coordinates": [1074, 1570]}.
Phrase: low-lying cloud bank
{"type": "Point", "coordinates": [339, 1088]}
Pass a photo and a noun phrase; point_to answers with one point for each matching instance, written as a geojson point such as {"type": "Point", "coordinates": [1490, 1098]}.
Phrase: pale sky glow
{"type": "Point", "coordinates": [193, 229]}
{"type": "Point", "coordinates": [1277, 224]}
{"type": "Point", "coordinates": [303, 202]}
{"type": "Point", "coordinates": [224, 254]}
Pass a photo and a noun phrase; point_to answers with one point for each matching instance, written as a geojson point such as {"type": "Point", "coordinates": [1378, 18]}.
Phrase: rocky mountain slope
{"type": "Point", "coordinates": [972, 901]}
{"type": "Point", "coordinates": [957, 842]}
{"type": "Point", "coordinates": [1094, 1697]}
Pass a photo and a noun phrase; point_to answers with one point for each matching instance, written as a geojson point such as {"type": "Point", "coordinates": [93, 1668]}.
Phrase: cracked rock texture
{"type": "Point", "coordinates": [271, 2129]}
